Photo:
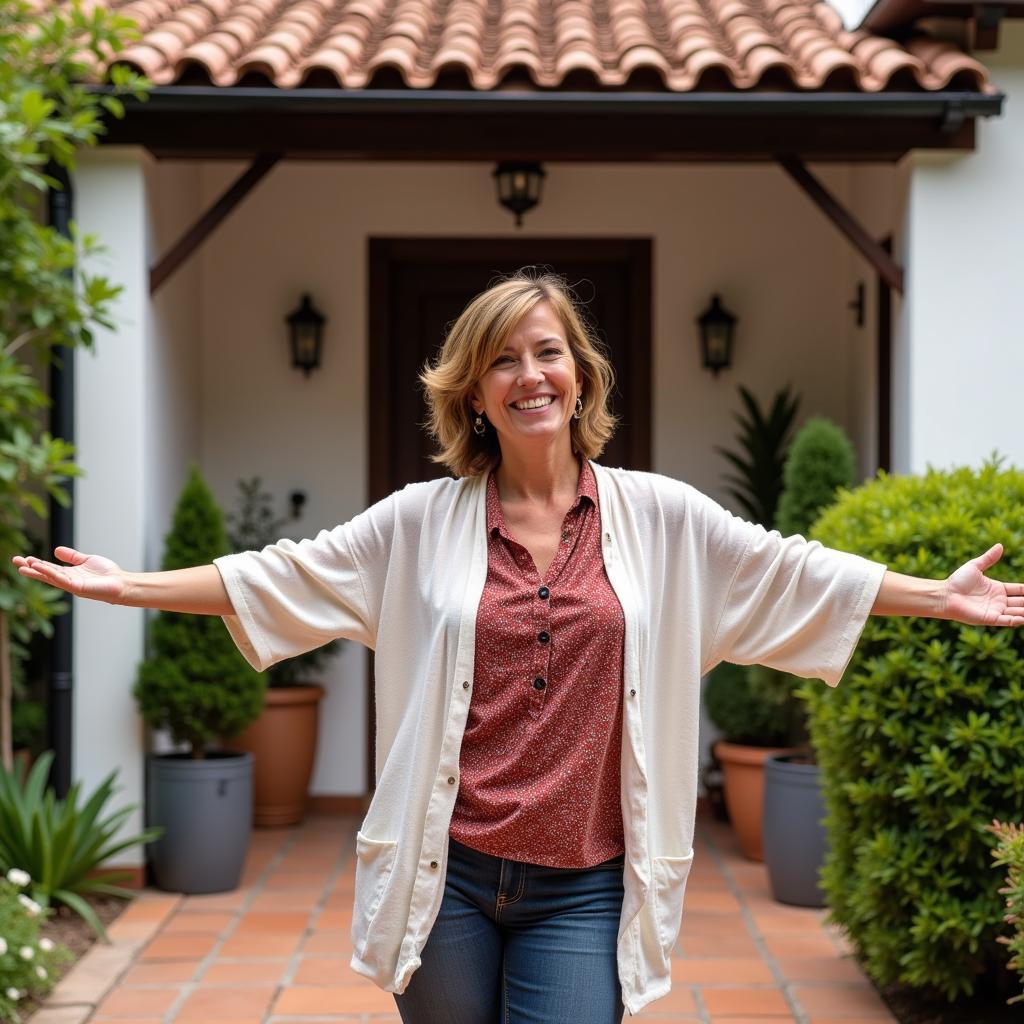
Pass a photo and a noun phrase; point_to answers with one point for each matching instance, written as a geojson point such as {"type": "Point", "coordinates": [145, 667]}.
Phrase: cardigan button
{"type": "Point", "coordinates": [433, 863]}
{"type": "Point", "coordinates": [465, 684]}
{"type": "Point", "coordinates": [451, 780]}
{"type": "Point", "coordinates": [632, 693]}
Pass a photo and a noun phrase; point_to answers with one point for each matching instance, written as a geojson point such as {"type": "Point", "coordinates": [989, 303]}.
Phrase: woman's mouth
{"type": "Point", "coordinates": [534, 405]}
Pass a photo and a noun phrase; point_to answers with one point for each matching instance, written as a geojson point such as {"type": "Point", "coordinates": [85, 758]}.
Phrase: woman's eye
{"type": "Point", "coordinates": [556, 351]}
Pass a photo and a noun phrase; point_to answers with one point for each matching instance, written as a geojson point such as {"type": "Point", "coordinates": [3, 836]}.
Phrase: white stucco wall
{"type": "Point", "coordinates": [961, 327]}
{"type": "Point", "coordinates": [746, 232]}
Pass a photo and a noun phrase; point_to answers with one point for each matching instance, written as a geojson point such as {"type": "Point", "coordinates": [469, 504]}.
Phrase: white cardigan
{"type": "Point", "coordinates": [697, 586]}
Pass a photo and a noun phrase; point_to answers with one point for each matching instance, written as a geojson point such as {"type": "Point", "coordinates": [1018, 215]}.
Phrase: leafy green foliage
{"type": "Point", "coordinates": [195, 682]}
{"type": "Point", "coordinates": [59, 843]}
{"type": "Point", "coordinates": [920, 746]}
{"type": "Point", "coordinates": [253, 527]}
{"type": "Point", "coordinates": [28, 962]}
{"type": "Point", "coordinates": [751, 704]}
{"type": "Point", "coordinates": [757, 483]}
{"type": "Point", "coordinates": [1010, 852]}
{"type": "Point", "coordinates": [46, 301]}
{"type": "Point", "coordinates": [819, 462]}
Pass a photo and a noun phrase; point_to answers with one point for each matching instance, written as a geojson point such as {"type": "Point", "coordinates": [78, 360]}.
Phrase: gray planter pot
{"type": "Point", "coordinates": [795, 842]}
{"type": "Point", "coordinates": [205, 809]}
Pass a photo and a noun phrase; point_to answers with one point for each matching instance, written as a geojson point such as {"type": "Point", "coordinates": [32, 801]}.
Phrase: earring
{"type": "Point", "coordinates": [478, 426]}
{"type": "Point", "coordinates": [579, 408]}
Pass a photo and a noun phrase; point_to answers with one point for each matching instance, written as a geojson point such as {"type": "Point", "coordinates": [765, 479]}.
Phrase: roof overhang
{"type": "Point", "coordinates": [212, 122]}
{"type": "Point", "coordinates": [886, 17]}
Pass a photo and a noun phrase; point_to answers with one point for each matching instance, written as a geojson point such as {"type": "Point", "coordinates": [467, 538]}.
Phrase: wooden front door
{"type": "Point", "coordinates": [418, 287]}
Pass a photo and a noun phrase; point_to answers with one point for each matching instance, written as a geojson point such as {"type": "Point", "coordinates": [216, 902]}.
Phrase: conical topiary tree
{"type": "Point", "coordinates": [194, 682]}
{"type": "Point", "coordinates": [820, 461]}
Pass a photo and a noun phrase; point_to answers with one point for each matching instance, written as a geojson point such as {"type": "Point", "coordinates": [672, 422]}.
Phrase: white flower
{"type": "Point", "coordinates": [45, 944]}
{"type": "Point", "coordinates": [13, 994]}
{"type": "Point", "coordinates": [3, 946]}
{"type": "Point", "coordinates": [41, 973]}
{"type": "Point", "coordinates": [30, 905]}
{"type": "Point", "coordinates": [19, 877]}
{"type": "Point", "coordinates": [26, 952]}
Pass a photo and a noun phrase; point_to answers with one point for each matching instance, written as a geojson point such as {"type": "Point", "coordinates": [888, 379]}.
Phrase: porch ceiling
{"type": "Point", "coordinates": [492, 79]}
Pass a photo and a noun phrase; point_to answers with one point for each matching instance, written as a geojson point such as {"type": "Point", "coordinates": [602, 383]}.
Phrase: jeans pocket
{"type": "Point", "coordinates": [670, 874]}
{"type": "Point", "coordinates": [375, 859]}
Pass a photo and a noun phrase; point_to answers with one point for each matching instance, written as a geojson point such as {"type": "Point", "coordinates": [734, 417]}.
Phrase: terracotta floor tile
{"type": "Point", "coordinates": [786, 921]}
{"type": "Point", "coordinates": [260, 944]}
{"type": "Point", "coordinates": [138, 1002]}
{"type": "Point", "coordinates": [719, 946]}
{"type": "Point", "coordinates": [678, 1000]}
{"type": "Point", "coordinates": [196, 923]}
{"type": "Point", "coordinates": [301, 1001]}
{"type": "Point", "coordinates": [179, 947]}
{"type": "Point", "coordinates": [208, 1004]}
{"type": "Point", "coordinates": [232, 973]}
{"type": "Point", "coordinates": [330, 941]}
{"type": "Point", "coordinates": [326, 970]}
{"type": "Point", "coordinates": [737, 971]}
{"type": "Point", "coordinates": [853, 1000]}
{"type": "Point", "coordinates": [744, 1002]}
{"type": "Point", "coordinates": [800, 945]}
{"type": "Point", "coordinates": [719, 901]}
{"type": "Point", "coordinates": [216, 900]}
{"type": "Point", "coordinates": [126, 1020]}
{"type": "Point", "coordinates": [173, 971]}
{"type": "Point", "coordinates": [753, 1020]}
{"type": "Point", "coordinates": [273, 923]}
{"type": "Point", "coordinates": [292, 899]}
{"type": "Point", "coordinates": [819, 968]}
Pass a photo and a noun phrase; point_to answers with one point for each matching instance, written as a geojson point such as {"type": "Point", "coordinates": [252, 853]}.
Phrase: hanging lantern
{"type": "Point", "coordinates": [716, 336]}
{"type": "Point", "coordinates": [306, 327]}
{"type": "Point", "coordinates": [519, 186]}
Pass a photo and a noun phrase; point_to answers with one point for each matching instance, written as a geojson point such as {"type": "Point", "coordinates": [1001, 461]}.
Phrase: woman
{"type": "Point", "coordinates": [541, 624]}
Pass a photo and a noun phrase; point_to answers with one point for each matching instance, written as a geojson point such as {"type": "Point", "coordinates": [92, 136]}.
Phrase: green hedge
{"type": "Point", "coordinates": [920, 745]}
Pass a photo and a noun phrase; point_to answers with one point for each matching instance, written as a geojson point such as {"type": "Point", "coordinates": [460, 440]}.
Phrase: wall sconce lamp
{"type": "Point", "coordinates": [716, 336]}
{"type": "Point", "coordinates": [306, 335]}
{"type": "Point", "coordinates": [519, 186]}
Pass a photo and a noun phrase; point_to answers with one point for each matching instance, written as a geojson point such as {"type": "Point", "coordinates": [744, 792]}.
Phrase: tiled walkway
{"type": "Point", "coordinates": [277, 949]}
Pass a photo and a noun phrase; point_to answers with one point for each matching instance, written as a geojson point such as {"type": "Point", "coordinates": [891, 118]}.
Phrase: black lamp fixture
{"type": "Point", "coordinates": [306, 335]}
{"type": "Point", "coordinates": [519, 186]}
{"type": "Point", "coordinates": [716, 335]}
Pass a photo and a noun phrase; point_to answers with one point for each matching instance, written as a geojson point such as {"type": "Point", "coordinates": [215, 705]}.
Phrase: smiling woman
{"type": "Point", "coordinates": [519, 341]}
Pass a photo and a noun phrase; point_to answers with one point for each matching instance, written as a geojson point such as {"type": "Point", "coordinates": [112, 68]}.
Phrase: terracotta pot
{"type": "Point", "coordinates": [744, 791]}
{"type": "Point", "coordinates": [283, 742]}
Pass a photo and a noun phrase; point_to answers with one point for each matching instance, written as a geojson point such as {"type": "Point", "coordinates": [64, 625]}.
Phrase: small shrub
{"type": "Point", "coordinates": [819, 462]}
{"type": "Point", "coordinates": [748, 705]}
{"type": "Point", "coordinates": [920, 746]}
{"type": "Point", "coordinates": [28, 962]}
{"type": "Point", "coordinates": [1010, 852]}
{"type": "Point", "coordinates": [59, 844]}
{"type": "Point", "coordinates": [195, 683]}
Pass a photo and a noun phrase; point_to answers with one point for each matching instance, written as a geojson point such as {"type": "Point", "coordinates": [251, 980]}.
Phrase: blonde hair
{"type": "Point", "coordinates": [475, 341]}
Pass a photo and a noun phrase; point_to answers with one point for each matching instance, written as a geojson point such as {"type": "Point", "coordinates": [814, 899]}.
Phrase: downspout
{"type": "Point", "coordinates": [60, 204]}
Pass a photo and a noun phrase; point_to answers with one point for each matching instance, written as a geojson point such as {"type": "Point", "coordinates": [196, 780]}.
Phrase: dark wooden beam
{"type": "Point", "coordinates": [194, 237]}
{"type": "Point", "coordinates": [889, 270]}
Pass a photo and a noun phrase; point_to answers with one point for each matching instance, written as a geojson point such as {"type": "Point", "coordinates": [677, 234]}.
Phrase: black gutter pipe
{"type": "Point", "coordinates": [238, 99]}
{"type": "Point", "coordinates": [60, 208]}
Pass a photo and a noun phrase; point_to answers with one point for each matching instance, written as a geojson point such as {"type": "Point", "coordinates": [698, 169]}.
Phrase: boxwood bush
{"type": "Point", "coordinates": [920, 745]}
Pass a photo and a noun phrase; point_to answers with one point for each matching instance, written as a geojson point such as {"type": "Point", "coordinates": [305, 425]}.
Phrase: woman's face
{"type": "Point", "coordinates": [529, 393]}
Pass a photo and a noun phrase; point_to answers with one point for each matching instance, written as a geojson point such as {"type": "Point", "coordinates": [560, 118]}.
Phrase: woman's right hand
{"type": "Point", "coordinates": [90, 576]}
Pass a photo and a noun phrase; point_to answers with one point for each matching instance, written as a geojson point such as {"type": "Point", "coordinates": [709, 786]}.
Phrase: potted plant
{"type": "Point", "coordinates": [751, 705]}
{"type": "Point", "coordinates": [757, 719]}
{"type": "Point", "coordinates": [820, 462]}
{"type": "Point", "coordinates": [283, 738]}
{"type": "Point", "coordinates": [196, 684]}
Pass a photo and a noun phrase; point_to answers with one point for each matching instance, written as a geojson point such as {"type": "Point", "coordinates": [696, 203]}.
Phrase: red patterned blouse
{"type": "Point", "coordinates": [539, 764]}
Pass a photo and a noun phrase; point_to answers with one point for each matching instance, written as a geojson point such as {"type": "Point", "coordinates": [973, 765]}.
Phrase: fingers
{"type": "Point", "coordinates": [66, 554]}
{"type": "Point", "coordinates": [987, 560]}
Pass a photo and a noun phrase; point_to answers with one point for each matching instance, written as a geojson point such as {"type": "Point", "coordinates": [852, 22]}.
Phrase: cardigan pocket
{"type": "Point", "coordinates": [670, 874]}
{"type": "Point", "coordinates": [375, 859]}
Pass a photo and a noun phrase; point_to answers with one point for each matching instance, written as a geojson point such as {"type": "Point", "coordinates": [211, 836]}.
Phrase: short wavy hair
{"type": "Point", "coordinates": [478, 337]}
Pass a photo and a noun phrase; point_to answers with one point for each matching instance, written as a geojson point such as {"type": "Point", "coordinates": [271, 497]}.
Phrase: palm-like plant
{"type": "Point", "coordinates": [763, 439]}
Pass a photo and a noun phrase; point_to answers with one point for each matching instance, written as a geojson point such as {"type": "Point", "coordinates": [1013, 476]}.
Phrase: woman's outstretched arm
{"type": "Point", "coordinates": [967, 596]}
{"type": "Point", "coordinates": [199, 590]}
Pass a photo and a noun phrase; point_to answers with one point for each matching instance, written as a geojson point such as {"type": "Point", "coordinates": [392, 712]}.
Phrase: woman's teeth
{"type": "Point", "coordinates": [534, 403]}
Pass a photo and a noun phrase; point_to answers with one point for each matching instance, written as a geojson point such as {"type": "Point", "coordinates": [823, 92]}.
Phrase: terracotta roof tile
{"type": "Point", "coordinates": [599, 44]}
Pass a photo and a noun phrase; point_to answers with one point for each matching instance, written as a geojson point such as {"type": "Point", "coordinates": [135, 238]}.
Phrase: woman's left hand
{"type": "Point", "coordinates": [972, 598]}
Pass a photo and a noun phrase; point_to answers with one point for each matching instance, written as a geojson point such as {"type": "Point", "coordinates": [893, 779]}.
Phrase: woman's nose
{"type": "Point", "coordinates": [529, 371]}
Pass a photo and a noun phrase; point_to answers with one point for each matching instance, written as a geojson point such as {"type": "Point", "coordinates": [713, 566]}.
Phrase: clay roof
{"type": "Point", "coordinates": [672, 45]}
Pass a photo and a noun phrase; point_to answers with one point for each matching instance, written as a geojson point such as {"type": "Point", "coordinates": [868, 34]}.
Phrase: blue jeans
{"type": "Point", "coordinates": [517, 943]}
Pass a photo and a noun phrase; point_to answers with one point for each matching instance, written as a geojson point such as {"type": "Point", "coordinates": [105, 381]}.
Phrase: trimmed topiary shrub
{"type": "Point", "coordinates": [920, 745]}
{"type": "Point", "coordinates": [819, 462]}
{"type": "Point", "coordinates": [750, 705]}
{"type": "Point", "coordinates": [195, 683]}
